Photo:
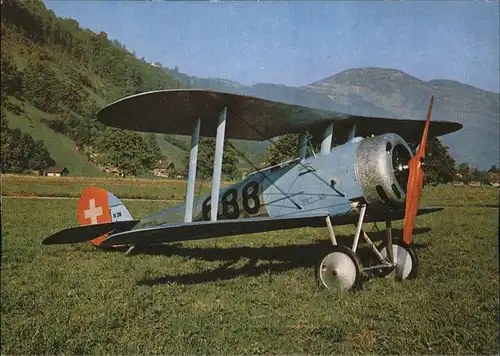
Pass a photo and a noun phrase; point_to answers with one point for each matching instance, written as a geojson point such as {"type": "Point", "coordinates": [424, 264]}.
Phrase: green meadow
{"type": "Point", "coordinates": [252, 294]}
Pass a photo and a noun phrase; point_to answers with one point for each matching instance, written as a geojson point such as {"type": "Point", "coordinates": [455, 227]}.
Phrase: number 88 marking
{"type": "Point", "coordinates": [230, 208]}
{"type": "Point", "coordinates": [252, 196]}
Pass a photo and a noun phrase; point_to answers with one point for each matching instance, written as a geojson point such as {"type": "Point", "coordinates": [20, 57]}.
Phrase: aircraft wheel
{"type": "Point", "coordinates": [339, 270]}
{"type": "Point", "coordinates": [406, 259]}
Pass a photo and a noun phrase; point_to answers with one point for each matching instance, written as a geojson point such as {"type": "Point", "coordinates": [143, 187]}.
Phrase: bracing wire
{"type": "Point", "coordinates": [275, 145]}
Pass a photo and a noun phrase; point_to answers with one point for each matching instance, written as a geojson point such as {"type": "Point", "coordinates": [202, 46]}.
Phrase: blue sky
{"type": "Point", "coordinates": [296, 43]}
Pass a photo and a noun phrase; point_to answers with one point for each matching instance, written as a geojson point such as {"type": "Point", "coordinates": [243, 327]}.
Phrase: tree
{"type": "Point", "coordinates": [20, 152]}
{"type": "Point", "coordinates": [285, 149]}
{"type": "Point", "coordinates": [41, 86]}
{"type": "Point", "coordinates": [206, 155]}
{"type": "Point", "coordinates": [10, 78]}
{"type": "Point", "coordinates": [281, 150]}
{"type": "Point", "coordinates": [40, 158]}
{"type": "Point", "coordinates": [476, 175]}
{"type": "Point", "coordinates": [124, 150]}
{"type": "Point", "coordinates": [153, 148]}
{"type": "Point", "coordinates": [464, 169]}
{"type": "Point", "coordinates": [486, 180]}
{"type": "Point", "coordinates": [493, 169]}
{"type": "Point", "coordinates": [439, 166]}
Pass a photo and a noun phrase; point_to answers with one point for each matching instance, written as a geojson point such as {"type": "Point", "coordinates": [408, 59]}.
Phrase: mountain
{"type": "Point", "coordinates": [391, 93]}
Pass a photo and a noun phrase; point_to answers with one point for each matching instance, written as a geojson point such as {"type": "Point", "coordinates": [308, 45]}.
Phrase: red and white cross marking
{"type": "Point", "coordinates": [93, 212]}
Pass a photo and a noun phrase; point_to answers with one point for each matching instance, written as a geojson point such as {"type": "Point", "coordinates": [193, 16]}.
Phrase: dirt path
{"type": "Point", "coordinates": [63, 198]}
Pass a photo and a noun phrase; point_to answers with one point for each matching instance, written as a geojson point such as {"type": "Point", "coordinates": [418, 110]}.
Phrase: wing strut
{"type": "Point", "coordinates": [219, 150]}
{"type": "Point", "coordinates": [302, 145]}
{"type": "Point", "coordinates": [193, 158]}
{"type": "Point", "coordinates": [326, 144]}
{"type": "Point", "coordinates": [352, 132]}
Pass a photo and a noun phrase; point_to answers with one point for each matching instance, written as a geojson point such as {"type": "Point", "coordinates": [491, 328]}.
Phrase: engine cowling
{"type": "Point", "coordinates": [382, 170]}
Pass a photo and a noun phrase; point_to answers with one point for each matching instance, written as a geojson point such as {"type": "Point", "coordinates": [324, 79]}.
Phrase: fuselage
{"type": "Point", "coordinates": [332, 184]}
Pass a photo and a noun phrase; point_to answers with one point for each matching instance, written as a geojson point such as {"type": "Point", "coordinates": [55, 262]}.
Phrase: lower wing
{"type": "Point", "coordinates": [210, 229]}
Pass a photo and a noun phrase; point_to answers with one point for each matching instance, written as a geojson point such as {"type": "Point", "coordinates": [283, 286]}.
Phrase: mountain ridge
{"type": "Point", "coordinates": [387, 92]}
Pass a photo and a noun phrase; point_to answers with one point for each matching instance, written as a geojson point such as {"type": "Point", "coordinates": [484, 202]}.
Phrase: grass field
{"type": "Point", "coordinates": [128, 188]}
{"type": "Point", "coordinates": [252, 294]}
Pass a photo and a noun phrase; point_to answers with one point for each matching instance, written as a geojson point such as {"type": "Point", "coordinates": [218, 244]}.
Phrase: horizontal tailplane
{"type": "Point", "coordinates": [88, 232]}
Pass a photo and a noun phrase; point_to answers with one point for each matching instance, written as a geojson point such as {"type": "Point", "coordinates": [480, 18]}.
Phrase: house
{"type": "Point", "coordinates": [114, 171]}
{"type": "Point", "coordinates": [494, 178]}
{"type": "Point", "coordinates": [167, 172]}
{"type": "Point", "coordinates": [56, 172]}
{"type": "Point", "coordinates": [171, 170]}
{"type": "Point", "coordinates": [160, 172]}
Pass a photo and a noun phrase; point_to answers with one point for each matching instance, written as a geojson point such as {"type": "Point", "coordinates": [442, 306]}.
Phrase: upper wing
{"type": "Point", "coordinates": [249, 118]}
{"type": "Point", "coordinates": [210, 229]}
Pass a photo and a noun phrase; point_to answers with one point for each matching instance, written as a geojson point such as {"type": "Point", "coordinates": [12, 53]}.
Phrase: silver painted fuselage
{"type": "Point", "coordinates": [361, 169]}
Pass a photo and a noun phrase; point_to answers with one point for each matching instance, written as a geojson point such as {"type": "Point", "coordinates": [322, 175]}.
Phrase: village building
{"type": "Point", "coordinates": [56, 172]}
{"type": "Point", "coordinates": [168, 172]}
{"type": "Point", "coordinates": [114, 171]}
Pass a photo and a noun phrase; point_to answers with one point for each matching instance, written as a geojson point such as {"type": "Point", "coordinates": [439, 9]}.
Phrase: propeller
{"type": "Point", "coordinates": [415, 182]}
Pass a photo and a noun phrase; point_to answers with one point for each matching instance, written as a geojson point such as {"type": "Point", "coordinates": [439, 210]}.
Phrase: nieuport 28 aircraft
{"type": "Point", "coordinates": [371, 175]}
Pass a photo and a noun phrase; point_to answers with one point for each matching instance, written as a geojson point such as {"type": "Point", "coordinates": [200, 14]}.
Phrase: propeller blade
{"type": "Point", "coordinates": [415, 182]}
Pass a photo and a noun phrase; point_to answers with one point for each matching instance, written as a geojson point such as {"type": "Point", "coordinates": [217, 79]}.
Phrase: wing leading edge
{"type": "Point", "coordinates": [249, 118]}
{"type": "Point", "coordinates": [209, 229]}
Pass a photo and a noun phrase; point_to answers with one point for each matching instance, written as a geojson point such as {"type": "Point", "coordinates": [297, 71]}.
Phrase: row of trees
{"type": "Point", "coordinates": [467, 174]}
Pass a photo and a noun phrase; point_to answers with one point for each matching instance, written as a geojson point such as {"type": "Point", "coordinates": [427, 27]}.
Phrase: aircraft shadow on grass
{"type": "Point", "coordinates": [273, 259]}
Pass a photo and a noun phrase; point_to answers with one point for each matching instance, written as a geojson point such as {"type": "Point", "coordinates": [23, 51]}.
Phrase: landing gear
{"type": "Point", "coordinates": [405, 260]}
{"type": "Point", "coordinates": [341, 269]}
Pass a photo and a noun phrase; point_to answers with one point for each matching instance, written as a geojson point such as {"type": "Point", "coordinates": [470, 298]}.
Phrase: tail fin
{"type": "Point", "coordinates": [98, 206]}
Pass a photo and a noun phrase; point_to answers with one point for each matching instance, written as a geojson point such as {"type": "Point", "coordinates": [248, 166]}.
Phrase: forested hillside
{"type": "Point", "coordinates": [56, 76]}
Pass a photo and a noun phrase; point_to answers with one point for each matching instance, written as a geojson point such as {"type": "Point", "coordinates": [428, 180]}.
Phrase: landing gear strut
{"type": "Point", "coordinates": [341, 269]}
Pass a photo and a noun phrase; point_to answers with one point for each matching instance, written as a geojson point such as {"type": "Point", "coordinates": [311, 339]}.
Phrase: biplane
{"type": "Point", "coordinates": [369, 175]}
